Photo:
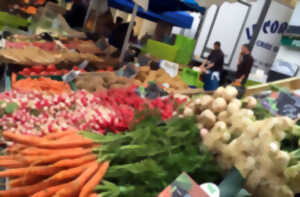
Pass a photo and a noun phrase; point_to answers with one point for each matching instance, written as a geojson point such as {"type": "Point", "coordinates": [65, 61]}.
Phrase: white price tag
{"type": "Point", "coordinates": [170, 67]}
{"type": "Point", "coordinates": [71, 76]}
{"type": "Point", "coordinates": [143, 3]}
{"type": "Point", "coordinates": [211, 189]}
{"type": "Point", "coordinates": [74, 73]}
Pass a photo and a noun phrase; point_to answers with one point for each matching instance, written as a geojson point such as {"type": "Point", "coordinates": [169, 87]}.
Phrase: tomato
{"type": "Point", "coordinates": [75, 68]}
{"type": "Point", "coordinates": [38, 69]}
{"type": "Point", "coordinates": [51, 68]}
{"type": "Point", "coordinates": [58, 72]}
{"type": "Point", "coordinates": [64, 71]}
{"type": "Point", "coordinates": [44, 73]}
{"type": "Point", "coordinates": [33, 74]}
{"type": "Point", "coordinates": [26, 71]}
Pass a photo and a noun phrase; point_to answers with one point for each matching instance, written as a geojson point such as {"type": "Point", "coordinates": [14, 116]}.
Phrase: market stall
{"type": "Point", "coordinates": [69, 127]}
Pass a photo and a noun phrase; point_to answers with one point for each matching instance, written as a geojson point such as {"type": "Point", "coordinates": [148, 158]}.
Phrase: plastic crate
{"type": "Point", "coordinates": [19, 77]}
{"type": "Point", "coordinates": [191, 77]}
{"type": "Point", "coordinates": [12, 20]}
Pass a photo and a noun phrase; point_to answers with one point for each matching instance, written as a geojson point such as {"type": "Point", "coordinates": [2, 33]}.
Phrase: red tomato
{"type": "Point", "coordinates": [44, 73]}
{"type": "Point", "coordinates": [64, 71]}
{"type": "Point", "coordinates": [75, 68]}
{"type": "Point", "coordinates": [26, 71]}
{"type": "Point", "coordinates": [51, 68]}
{"type": "Point", "coordinates": [38, 69]}
{"type": "Point", "coordinates": [33, 74]}
{"type": "Point", "coordinates": [58, 72]}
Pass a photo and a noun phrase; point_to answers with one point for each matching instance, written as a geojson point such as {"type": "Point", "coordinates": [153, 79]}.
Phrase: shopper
{"type": "Point", "coordinates": [212, 68]}
{"type": "Point", "coordinates": [75, 17]}
{"type": "Point", "coordinates": [244, 66]}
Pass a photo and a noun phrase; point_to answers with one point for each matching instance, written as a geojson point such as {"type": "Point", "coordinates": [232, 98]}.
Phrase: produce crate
{"type": "Point", "coordinates": [19, 77]}
{"type": "Point", "coordinates": [291, 83]}
{"type": "Point", "coordinates": [191, 77]}
{"type": "Point", "coordinates": [12, 20]}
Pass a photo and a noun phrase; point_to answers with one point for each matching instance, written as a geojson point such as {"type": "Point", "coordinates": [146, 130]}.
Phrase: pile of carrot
{"type": "Point", "coordinates": [56, 165]}
{"type": "Point", "coordinates": [42, 84]}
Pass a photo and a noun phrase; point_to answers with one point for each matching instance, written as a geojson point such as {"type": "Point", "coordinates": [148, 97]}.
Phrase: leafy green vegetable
{"type": "Point", "coordinates": [11, 108]}
{"type": "Point", "coordinates": [261, 113]}
{"type": "Point", "coordinates": [148, 158]}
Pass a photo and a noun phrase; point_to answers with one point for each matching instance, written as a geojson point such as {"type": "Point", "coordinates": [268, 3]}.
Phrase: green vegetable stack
{"type": "Point", "coordinates": [149, 157]}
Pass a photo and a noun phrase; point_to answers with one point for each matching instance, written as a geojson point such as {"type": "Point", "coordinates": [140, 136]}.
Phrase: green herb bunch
{"type": "Point", "coordinates": [149, 157]}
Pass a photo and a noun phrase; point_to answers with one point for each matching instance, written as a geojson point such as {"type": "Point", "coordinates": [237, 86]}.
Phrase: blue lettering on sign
{"type": "Point", "coordinates": [274, 27]}
{"type": "Point", "coordinates": [268, 27]}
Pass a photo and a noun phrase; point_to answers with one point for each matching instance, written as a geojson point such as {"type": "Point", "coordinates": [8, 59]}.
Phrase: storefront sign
{"type": "Point", "coordinates": [268, 41]}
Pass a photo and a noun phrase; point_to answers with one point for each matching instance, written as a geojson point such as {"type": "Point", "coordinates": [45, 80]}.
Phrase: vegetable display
{"type": "Point", "coordinates": [60, 164]}
{"type": "Point", "coordinates": [264, 151]}
{"type": "Point", "coordinates": [149, 157]}
{"type": "Point", "coordinates": [42, 84]}
{"type": "Point", "coordinates": [94, 82]}
{"type": "Point", "coordinates": [145, 75]}
{"type": "Point", "coordinates": [43, 71]}
{"type": "Point", "coordinates": [39, 113]}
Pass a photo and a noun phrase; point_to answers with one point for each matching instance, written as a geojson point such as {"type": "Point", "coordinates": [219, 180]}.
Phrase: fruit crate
{"type": "Point", "coordinates": [53, 77]}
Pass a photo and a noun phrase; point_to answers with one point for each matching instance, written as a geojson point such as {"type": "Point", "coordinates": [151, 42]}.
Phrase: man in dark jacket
{"type": "Point", "coordinates": [215, 60]}
{"type": "Point", "coordinates": [244, 65]}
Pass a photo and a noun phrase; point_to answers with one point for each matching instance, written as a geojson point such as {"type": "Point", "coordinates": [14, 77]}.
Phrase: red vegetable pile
{"type": "Point", "coordinates": [114, 110]}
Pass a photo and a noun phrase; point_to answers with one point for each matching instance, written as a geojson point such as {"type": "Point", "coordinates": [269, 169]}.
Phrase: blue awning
{"type": "Point", "coordinates": [175, 5]}
{"type": "Point", "coordinates": [176, 18]}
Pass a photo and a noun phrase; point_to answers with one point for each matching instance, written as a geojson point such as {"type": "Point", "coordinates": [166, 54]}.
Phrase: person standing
{"type": "Point", "coordinates": [212, 67]}
{"type": "Point", "coordinates": [215, 60]}
{"type": "Point", "coordinates": [244, 65]}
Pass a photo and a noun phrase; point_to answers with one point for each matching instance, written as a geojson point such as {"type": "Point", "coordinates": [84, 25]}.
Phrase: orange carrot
{"type": "Point", "coordinates": [6, 157]}
{"type": "Point", "coordinates": [11, 164]}
{"type": "Point", "coordinates": [25, 191]}
{"type": "Point", "coordinates": [56, 157]}
{"type": "Point", "coordinates": [15, 148]}
{"type": "Point", "coordinates": [26, 180]}
{"type": "Point", "coordinates": [59, 135]}
{"type": "Point", "coordinates": [69, 173]}
{"type": "Point", "coordinates": [22, 139]}
{"type": "Point", "coordinates": [75, 186]}
{"type": "Point", "coordinates": [49, 192]}
{"type": "Point", "coordinates": [93, 195]}
{"type": "Point", "coordinates": [75, 162]}
{"type": "Point", "coordinates": [40, 151]}
{"type": "Point", "coordinates": [66, 144]}
{"type": "Point", "coordinates": [44, 143]}
{"type": "Point", "coordinates": [95, 180]}
{"type": "Point", "coordinates": [13, 79]}
{"type": "Point", "coordinates": [38, 170]}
